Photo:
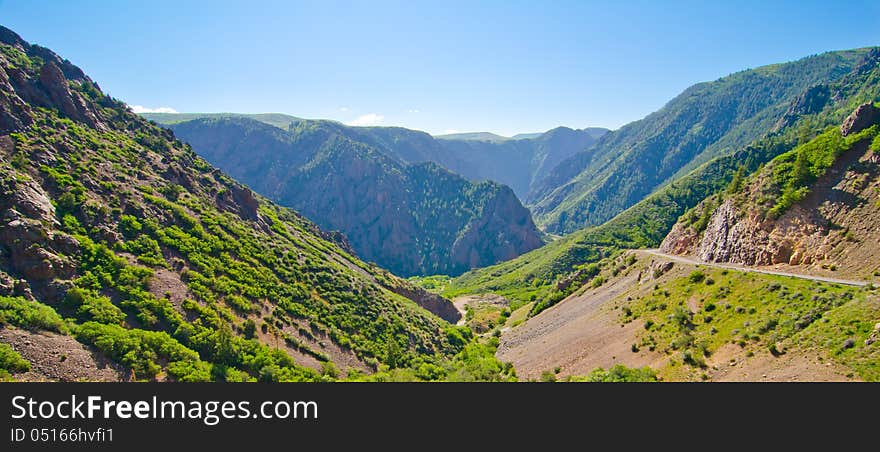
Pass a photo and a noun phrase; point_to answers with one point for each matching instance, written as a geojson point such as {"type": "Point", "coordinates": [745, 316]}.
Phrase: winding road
{"type": "Point", "coordinates": [742, 268]}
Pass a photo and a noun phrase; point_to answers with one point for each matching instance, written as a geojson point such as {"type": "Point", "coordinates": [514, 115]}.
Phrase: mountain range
{"type": "Point", "coordinates": [731, 234]}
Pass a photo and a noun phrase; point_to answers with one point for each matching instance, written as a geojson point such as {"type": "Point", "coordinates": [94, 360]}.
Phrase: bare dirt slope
{"type": "Point", "coordinates": [579, 334]}
{"type": "Point", "coordinates": [56, 357]}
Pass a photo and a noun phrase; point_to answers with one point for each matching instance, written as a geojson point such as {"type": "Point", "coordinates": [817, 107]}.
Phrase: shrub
{"type": "Point", "coordinates": [30, 314]}
{"type": "Point", "coordinates": [548, 377]}
{"type": "Point", "coordinates": [138, 349]}
{"type": "Point", "coordinates": [91, 306]}
{"type": "Point", "coordinates": [250, 329]}
{"type": "Point", "coordinates": [696, 276]}
{"type": "Point", "coordinates": [619, 374]}
{"type": "Point", "coordinates": [11, 361]}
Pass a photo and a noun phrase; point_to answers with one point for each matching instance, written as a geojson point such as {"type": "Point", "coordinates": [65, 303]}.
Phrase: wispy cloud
{"type": "Point", "coordinates": [413, 110]}
{"type": "Point", "coordinates": [369, 119]}
{"type": "Point", "coordinates": [142, 109]}
{"type": "Point", "coordinates": [343, 109]}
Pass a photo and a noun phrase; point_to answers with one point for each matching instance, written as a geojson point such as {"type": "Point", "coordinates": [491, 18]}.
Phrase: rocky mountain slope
{"type": "Point", "coordinates": [706, 121]}
{"type": "Point", "coordinates": [816, 207]}
{"type": "Point", "coordinates": [123, 255]}
{"type": "Point", "coordinates": [412, 218]}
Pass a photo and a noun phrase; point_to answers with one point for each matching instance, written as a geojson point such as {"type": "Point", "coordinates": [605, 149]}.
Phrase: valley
{"type": "Point", "coordinates": [731, 235]}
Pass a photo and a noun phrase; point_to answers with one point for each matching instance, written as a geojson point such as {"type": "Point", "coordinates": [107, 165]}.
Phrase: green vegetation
{"type": "Point", "coordinates": [278, 120]}
{"type": "Point", "coordinates": [350, 180]}
{"type": "Point", "coordinates": [11, 362]}
{"type": "Point", "coordinates": [30, 315]}
{"type": "Point", "coordinates": [19, 59]}
{"type": "Point", "coordinates": [792, 173]}
{"type": "Point", "coordinates": [534, 276]}
{"type": "Point", "coordinates": [689, 319]}
{"type": "Point", "coordinates": [433, 283]}
{"type": "Point", "coordinates": [618, 374]}
{"type": "Point", "coordinates": [179, 273]}
{"type": "Point", "coordinates": [704, 122]}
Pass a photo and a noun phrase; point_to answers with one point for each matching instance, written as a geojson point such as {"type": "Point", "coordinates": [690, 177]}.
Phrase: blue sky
{"type": "Point", "coordinates": [506, 67]}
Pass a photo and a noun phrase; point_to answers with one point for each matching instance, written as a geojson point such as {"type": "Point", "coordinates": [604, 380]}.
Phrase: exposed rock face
{"type": "Point", "coordinates": [74, 107]}
{"type": "Point", "coordinates": [836, 223]}
{"type": "Point", "coordinates": [796, 238]}
{"type": "Point", "coordinates": [680, 240]}
{"type": "Point", "coordinates": [14, 112]}
{"type": "Point", "coordinates": [435, 304]}
{"type": "Point", "coordinates": [809, 102]}
{"type": "Point", "coordinates": [51, 89]}
{"type": "Point", "coordinates": [503, 231]}
{"type": "Point", "coordinates": [865, 116]}
{"type": "Point", "coordinates": [247, 202]}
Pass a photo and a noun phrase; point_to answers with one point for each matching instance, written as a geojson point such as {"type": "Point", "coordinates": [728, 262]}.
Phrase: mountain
{"type": "Point", "coordinates": [547, 275]}
{"type": "Point", "coordinates": [522, 164]}
{"type": "Point", "coordinates": [814, 208]}
{"type": "Point", "coordinates": [808, 219]}
{"type": "Point", "coordinates": [412, 218]}
{"type": "Point", "coordinates": [706, 121]}
{"type": "Point", "coordinates": [125, 256]}
{"type": "Point", "coordinates": [279, 120]}
{"type": "Point", "coordinates": [474, 136]}
{"type": "Point", "coordinates": [519, 164]}
{"type": "Point", "coordinates": [523, 136]}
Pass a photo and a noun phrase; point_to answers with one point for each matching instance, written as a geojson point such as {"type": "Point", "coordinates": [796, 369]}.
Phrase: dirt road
{"type": "Point", "coordinates": [742, 268]}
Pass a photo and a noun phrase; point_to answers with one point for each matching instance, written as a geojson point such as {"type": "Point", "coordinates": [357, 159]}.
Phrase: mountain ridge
{"type": "Point", "coordinates": [705, 121]}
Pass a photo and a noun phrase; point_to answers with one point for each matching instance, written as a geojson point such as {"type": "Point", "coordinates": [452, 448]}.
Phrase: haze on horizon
{"type": "Point", "coordinates": [441, 67]}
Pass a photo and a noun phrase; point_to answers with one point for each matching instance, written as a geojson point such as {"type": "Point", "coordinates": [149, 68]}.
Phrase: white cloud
{"type": "Point", "coordinates": [451, 131]}
{"type": "Point", "coordinates": [369, 119]}
{"type": "Point", "coordinates": [142, 109]}
{"type": "Point", "coordinates": [413, 110]}
{"type": "Point", "coordinates": [343, 109]}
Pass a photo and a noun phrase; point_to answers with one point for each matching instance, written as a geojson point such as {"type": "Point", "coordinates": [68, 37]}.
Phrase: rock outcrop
{"type": "Point", "coordinates": [433, 303]}
{"type": "Point", "coordinates": [50, 89]}
{"type": "Point", "coordinates": [835, 222]}
{"type": "Point", "coordinates": [865, 116]}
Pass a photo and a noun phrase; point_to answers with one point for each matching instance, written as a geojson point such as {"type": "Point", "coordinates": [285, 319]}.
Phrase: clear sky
{"type": "Point", "coordinates": [501, 66]}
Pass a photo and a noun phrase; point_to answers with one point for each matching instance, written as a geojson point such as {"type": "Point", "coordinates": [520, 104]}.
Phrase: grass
{"type": "Point", "coordinates": [688, 319]}
{"type": "Point", "coordinates": [435, 283]}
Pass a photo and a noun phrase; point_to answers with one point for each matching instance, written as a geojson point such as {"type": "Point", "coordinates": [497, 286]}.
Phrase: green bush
{"type": "Point", "coordinates": [140, 350]}
{"type": "Point", "coordinates": [11, 361]}
{"type": "Point", "coordinates": [619, 374]}
{"type": "Point", "coordinates": [30, 314]}
{"type": "Point", "coordinates": [696, 276]}
{"type": "Point", "coordinates": [90, 306]}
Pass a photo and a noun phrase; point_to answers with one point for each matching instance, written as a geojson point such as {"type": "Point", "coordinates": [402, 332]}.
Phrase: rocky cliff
{"type": "Point", "coordinates": [834, 221]}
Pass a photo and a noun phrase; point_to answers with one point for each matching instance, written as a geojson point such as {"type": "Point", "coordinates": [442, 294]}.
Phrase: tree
{"type": "Point", "coordinates": [250, 329]}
